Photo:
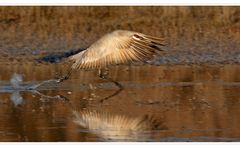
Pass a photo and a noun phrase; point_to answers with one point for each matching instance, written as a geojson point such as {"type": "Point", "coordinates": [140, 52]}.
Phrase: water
{"type": "Point", "coordinates": [158, 103]}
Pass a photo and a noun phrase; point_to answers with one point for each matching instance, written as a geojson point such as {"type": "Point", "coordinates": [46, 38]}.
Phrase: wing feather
{"type": "Point", "coordinates": [118, 47]}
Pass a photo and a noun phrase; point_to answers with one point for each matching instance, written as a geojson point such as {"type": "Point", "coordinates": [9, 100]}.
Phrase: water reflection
{"type": "Point", "coordinates": [115, 127]}
{"type": "Point", "coordinates": [106, 125]}
{"type": "Point", "coordinates": [16, 98]}
{"type": "Point", "coordinates": [195, 103]}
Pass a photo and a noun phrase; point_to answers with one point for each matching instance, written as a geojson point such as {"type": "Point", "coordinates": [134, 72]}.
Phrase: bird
{"type": "Point", "coordinates": [114, 48]}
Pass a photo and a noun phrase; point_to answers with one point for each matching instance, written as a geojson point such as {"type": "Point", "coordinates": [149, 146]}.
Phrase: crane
{"type": "Point", "coordinates": [117, 47]}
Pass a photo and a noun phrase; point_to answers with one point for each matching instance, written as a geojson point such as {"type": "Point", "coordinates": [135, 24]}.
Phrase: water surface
{"type": "Point", "coordinates": [158, 103]}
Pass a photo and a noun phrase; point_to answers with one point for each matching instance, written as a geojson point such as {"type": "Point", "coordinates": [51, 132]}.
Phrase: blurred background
{"type": "Point", "coordinates": [37, 31]}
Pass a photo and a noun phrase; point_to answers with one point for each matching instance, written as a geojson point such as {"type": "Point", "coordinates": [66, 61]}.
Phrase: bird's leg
{"type": "Point", "coordinates": [103, 74]}
{"type": "Point", "coordinates": [66, 76]}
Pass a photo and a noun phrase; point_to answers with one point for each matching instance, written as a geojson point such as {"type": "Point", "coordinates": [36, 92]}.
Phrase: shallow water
{"type": "Point", "coordinates": [158, 103]}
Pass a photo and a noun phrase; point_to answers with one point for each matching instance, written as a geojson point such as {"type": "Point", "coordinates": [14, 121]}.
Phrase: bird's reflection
{"type": "Point", "coordinates": [115, 127]}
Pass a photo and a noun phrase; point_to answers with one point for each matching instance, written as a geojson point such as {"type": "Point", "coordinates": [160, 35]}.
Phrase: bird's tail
{"type": "Point", "coordinates": [75, 59]}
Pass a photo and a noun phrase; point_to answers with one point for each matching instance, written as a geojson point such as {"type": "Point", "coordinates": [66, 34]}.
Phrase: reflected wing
{"type": "Point", "coordinates": [118, 47]}
{"type": "Point", "coordinates": [103, 120]}
{"type": "Point", "coordinates": [114, 126]}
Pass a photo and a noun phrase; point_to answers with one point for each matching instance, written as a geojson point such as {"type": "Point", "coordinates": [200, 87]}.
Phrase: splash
{"type": "Point", "coordinates": [18, 85]}
{"type": "Point", "coordinates": [16, 80]}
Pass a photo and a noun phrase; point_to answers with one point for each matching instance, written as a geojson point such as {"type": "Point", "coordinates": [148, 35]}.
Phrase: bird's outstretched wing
{"type": "Point", "coordinates": [118, 47]}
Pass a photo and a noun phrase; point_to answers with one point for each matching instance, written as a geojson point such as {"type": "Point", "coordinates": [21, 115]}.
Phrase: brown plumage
{"type": "Point", "coordinates": [118, 47]}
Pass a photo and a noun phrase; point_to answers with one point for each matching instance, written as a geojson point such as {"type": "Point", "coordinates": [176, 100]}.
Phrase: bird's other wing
{"type": "Point", "coordinates": [118, 47]}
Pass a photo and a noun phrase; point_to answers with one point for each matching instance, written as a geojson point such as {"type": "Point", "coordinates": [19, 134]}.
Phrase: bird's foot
{"type": "Point", "coordinates": [61, 79]}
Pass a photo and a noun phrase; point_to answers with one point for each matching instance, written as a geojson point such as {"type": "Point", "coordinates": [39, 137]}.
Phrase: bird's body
{"type": "Point", "coordinates": [118, 47]}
